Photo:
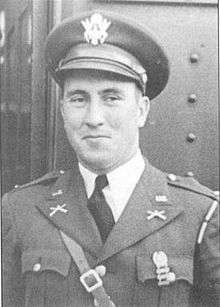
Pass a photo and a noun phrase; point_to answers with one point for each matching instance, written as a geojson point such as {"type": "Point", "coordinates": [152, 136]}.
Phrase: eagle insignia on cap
{"type": "Point", "coordinates": [96, 29]}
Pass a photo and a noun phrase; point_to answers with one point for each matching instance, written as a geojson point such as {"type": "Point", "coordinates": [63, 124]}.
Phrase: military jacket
{"type": "Point", "coordinates": [39, 271]}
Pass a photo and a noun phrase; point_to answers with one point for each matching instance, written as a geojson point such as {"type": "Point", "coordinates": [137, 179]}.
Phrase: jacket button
{"type": "Point", "coordinates": [189, 174]}
{"type": "Point", "coordinates": [101, 270]}
{"type": "Point", "coordinates": [171, 177]}
{"type": "Point", "coordinates": [37, 267]}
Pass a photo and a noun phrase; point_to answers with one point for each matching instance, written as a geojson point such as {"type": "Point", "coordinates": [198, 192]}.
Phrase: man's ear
{"type": "Point", "coordinates": [61, 107]}
{"type": "Point", "coordinates": [61, 102]}
{"type": "Point", "coordinates": [144, 107]}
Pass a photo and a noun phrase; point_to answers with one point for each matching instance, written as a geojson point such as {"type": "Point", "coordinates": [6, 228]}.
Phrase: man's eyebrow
{"type": "Point", "coordinates": [110, 90]}
{"type": "Point", "coordinates": [76, 92]}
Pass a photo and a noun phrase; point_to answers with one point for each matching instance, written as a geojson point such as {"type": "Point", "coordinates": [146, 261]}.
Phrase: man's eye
{"type": "Point", "coordinates": [112, 99]}
{"type": "Point", "coordinates": [76, 100]}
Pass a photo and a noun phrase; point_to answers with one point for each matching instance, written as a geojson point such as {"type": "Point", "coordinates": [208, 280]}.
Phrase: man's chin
{"type": "Point", "coordinates": [96, 163]}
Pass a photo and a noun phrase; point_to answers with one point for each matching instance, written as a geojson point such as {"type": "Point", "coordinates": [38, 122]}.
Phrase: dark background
{"type": "Point", "coordinates": [181, 134]}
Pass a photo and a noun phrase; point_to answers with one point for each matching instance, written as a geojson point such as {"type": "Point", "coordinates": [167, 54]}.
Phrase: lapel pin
{"type": "Point", "coordinates": [58, 208]}
{"type": "Point", "coordinates": [156, 213]}
{"type": "Point", "coordinates": [164, 276]}
{"type": "Point", "coordinates": [58, 192]}
{"type": "Point", "coordinates": [161, 198]}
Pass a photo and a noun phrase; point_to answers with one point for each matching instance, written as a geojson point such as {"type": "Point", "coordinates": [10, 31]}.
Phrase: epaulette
{"type": "Point", "coordinates": [44, 180]}
{"type": "Point", "coordinates": [190, 184]}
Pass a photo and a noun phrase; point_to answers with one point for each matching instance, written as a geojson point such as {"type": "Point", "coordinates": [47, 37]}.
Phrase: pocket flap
{"type": "Point", "coordinates": [181, 266]}
{"type": "Point", "coordinates": [44, 259]}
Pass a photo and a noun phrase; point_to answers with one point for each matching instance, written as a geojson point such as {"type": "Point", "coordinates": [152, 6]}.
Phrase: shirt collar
{"type": "Point", "coordinates": [125, 173]}
{"type": "Point", "coordinates": [89, 179]}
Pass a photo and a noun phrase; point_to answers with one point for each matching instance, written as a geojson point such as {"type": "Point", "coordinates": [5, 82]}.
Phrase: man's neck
{"type": "Point", "coordinates": [108, 169]}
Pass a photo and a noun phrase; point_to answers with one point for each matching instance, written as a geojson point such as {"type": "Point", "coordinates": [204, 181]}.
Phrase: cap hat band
{"type": "Point", "coordinates": [107, 55]}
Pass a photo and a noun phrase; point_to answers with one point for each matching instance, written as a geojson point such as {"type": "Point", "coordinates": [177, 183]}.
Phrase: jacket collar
{"type": "Point", "coordinates": [132, 226]}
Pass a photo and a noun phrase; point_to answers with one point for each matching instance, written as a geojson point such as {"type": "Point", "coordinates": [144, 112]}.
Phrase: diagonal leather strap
{"type": "Point", "coordinates": [89, 277]}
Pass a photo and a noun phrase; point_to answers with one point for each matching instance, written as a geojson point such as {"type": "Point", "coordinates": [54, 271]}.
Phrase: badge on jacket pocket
{"type": "Point", "coordinates": [164, 276]}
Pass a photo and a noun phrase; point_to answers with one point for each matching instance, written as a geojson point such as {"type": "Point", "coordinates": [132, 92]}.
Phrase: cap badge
{"type": "Point", "coordinates": [95, 29]}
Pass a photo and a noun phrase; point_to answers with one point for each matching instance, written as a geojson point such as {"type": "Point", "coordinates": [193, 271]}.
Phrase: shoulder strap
{"type": "Point", "coordinates": [190, 184]}
{"type": "Point", "coordinates": [46, 179]}
{"type": "Point", "coordinates": [89, 278]}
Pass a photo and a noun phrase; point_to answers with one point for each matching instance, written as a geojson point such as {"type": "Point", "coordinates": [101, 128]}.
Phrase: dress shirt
{"type": "Point", "coordinates": [122, 182]}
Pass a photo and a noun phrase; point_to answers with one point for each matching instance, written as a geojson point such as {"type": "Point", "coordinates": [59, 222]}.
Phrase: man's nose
{"type": "Point", "coordinates": [94, 115]}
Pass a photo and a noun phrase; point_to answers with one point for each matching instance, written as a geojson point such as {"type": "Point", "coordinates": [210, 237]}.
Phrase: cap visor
{"type": "Point", "coordinates": [98, 65]}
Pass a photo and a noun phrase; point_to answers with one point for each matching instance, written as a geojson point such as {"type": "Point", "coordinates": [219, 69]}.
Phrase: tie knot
{"type": "Point", "coordinates": [101, 182]}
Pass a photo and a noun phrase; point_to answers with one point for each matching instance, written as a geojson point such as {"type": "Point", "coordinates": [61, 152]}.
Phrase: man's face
{"type": "Point", "coordinates": [102, 116]}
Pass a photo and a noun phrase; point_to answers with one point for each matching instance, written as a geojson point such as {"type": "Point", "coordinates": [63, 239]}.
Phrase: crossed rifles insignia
{"type": "Point", "coordinates": [58, 208]}
{"type": "Point", "coordinates": [156, 213]}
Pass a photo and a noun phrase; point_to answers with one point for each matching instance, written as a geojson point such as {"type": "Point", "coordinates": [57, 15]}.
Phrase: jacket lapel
{"type": "Point", "coordinates": [68, 212]}
{"type": "Point", "coordinates": [65, 207]}
{"type": "Point", "coordinates": [133, 224]}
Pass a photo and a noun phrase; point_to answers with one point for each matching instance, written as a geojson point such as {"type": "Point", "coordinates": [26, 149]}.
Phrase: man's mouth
{"type": "Point", "coordinates": [99, 136]}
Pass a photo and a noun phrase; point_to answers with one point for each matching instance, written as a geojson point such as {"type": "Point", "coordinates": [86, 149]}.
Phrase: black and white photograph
{"type": "Point", "coordinates": [109, 153]}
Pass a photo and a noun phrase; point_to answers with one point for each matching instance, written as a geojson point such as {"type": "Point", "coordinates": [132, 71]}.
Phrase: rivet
{"type": "Point", "coordinates": [189, 174]}
{"type": "Point", "coordinates": [194, 58]}
{"type": "Point", "coordinates": [37, 267]}
{"type": "Point", "coordinates": [191, 137]}
{"type": "Point", "coordinates": [101, 270]}
{"type": "Point", "coordinates": [192, 98]}
{"type": "Point", "coordinates": [171, 177]}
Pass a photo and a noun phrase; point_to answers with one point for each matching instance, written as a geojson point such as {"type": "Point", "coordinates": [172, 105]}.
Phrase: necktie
{"type": "Point", "coordinates": [99, 208]}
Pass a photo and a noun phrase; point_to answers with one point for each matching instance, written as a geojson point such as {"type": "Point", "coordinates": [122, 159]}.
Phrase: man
{"type": "Point", "coordinates": [113, 230]}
